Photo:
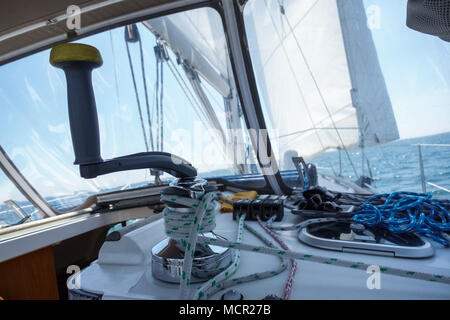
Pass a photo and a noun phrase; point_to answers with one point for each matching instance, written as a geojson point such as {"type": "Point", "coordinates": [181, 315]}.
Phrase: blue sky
{"type": "Point", "coordinates": [34, 126]}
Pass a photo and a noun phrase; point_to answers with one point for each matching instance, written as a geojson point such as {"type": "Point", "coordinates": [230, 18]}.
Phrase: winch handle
{"type": "Point", "coordinates": [78, 60]}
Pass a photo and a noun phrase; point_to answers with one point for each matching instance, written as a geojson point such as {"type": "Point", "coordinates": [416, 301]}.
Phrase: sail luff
{"type": "Point", "coordinates": [369, 92]}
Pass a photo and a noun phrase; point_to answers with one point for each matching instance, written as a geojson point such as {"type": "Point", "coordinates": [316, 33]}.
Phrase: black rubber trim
{"type": "Point", "coordinates": [253, 87]}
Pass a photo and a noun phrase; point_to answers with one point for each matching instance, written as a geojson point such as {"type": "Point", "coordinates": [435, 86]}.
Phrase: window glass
{"type": "Point", "coordinates": [348, 86]}
{"type": "Point", "coordinates": [14, 207]}
{"type": "Point", "coordinates": [185, 103]}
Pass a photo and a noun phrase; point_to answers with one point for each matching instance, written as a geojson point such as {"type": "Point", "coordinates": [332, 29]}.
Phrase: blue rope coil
{"type": "Point", "coordinates": [404, 212]}
{"type": "Point", "coordinates": [305, 174]}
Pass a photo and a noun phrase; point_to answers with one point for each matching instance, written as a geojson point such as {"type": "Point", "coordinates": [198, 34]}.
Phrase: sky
{"type": "Point", "coordinates": [34, 127]}
{"type": "Point", "coordinates": [416, 71]}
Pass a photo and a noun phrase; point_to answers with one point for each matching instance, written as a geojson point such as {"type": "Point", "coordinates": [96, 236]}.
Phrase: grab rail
{"type": "Point", "coordinates": [24, 186]}
{"type": "Point", "coordinates": [422, 169]}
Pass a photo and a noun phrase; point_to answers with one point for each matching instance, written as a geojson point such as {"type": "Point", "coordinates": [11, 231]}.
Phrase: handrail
{"type": "Point", "coordinates": [439, 187]}
{"type": "Point", "coordinates": [422, 169]}
{"type": "Point", "coordinates": [17, 209]}
{"type": "Point", "coordinates": [65, 197]}
{"type": "Point", "coordinates": [432, 144]}
{"type": "Point", "coordinates": [8, 167]}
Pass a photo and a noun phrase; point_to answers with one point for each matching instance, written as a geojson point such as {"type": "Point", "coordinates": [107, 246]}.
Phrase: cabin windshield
{"type": "Point", "coordinates": [165, 85]}
{"type": "Point", "coordinates": [349, 87]}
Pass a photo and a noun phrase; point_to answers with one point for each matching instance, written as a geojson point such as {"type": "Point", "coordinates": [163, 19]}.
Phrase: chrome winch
{"type": "Point", "coordinates": [168, 255]}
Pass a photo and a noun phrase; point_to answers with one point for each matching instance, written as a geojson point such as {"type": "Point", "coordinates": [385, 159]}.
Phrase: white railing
{"type": "Point", "coordinates": [422, 169]}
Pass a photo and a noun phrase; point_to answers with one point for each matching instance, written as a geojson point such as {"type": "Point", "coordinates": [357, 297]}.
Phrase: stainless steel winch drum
{"type": "Point", "coordinates": [167, 261]}
{"type": "Point", "coordinates": [203, 268]}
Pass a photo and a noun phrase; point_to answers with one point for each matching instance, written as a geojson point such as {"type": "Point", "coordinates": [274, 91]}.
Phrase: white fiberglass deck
{"type": "Point", "coordinates": [123, 270]}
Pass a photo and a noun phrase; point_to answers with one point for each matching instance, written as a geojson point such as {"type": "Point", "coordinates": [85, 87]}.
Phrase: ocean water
{"type": "Point", "coordinates": [394, 167]}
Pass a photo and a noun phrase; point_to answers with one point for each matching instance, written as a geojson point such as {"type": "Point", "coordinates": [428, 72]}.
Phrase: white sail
{"type": "Point", "coordinates": [197, 37]}
{"type": "Point", "coordinates": [318, 72]}
{"type": "Point", "coordinates": [370, 96]}
{"type": "Point", "coordinates": [316, 66]}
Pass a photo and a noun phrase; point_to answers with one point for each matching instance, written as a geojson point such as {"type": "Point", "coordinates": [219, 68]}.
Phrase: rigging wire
{"type": "Point", "coordinates": [116, 81]}
{"type": "Point", "coordinates": [161, 56]}
{"type": "Point", "coordinates": [297, 82]}
{"type": "Point", "coordinates": [144, 80]}
{"type": "Point", "coordinates": [205, 102]}
{"type": "Point", "coordinates": [191, 98]}
{"type": "Point", "coordinates": [204, 120]}
{"type": "Point", "coordinates": [161, 107]}
{"type": "Point", "coordinates": [136, 91]}
{"type": "Point", "coordinates": [214, 51]}
{"type": "Point", "coordinates": [295, 26]}
{"type": "Point", "coordinates": [318, 90]}
{"type": "Point", "coordinates": [189, 92]}
{"type": "Point", "coordinates": [211, 95]}
{"type": "Point", "coordinates": [157, 102]}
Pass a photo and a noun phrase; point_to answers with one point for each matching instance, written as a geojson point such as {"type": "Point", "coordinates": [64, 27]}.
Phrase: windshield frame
{"type": "Point", "coordinates": [226, 9]}
{"type": "Point", "coordinates": [240, 51]}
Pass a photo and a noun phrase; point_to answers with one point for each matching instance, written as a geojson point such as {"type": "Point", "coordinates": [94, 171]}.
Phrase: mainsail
{"type": "Point", "coordinates": [318, 72]}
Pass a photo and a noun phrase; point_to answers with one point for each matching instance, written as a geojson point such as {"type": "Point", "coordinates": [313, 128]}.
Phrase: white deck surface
{"type": "Point", "coordinates": [123, 270]}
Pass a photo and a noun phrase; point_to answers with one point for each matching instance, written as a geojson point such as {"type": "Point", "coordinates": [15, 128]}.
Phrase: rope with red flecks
{"type": "Point", "coordinates": [290, 281]}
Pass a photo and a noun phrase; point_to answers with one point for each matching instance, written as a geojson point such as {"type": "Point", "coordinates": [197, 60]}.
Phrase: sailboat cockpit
{"type": "Point", "coordinates": [192, 149]}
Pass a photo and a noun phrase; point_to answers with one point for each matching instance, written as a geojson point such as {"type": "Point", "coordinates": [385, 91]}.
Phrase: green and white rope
{"type": "Point", "coordinates": [214, 285]}
{"type": "Point", "coordinates": [325, 260]}
{"type": "Point", "coordinates": [216, 282]}
{"type": "Point", "coordinates": [185, 224]}
{"type": "Point", "coordinates": [198, 216]}
{"type": "Point", "coordinates": [178, 222]}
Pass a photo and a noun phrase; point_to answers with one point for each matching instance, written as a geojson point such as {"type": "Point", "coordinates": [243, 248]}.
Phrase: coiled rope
{"type": "Point", "coordinates": [199, 217]}
{"type": "Point", "coordinates": [185, 224]}
{"type": "Point", "coordinates": [404, 212]}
